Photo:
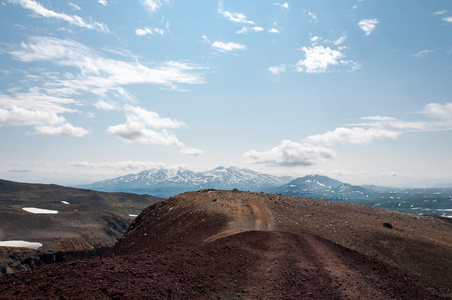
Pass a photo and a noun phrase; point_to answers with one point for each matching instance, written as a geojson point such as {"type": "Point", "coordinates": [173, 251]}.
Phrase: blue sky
{"type": "Point", "coordinates": [356, 90]}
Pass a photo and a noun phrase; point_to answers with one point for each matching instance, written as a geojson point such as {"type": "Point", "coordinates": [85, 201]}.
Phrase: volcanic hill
{"type": "Point", "coordinates": [240, 245]}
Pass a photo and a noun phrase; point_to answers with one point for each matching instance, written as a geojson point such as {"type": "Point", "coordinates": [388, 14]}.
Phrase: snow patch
{"type": "Point", "coordinates": [65, 202]}
{"type": "Point", "coordinates": [132, 215]}
{"type": "Point", "coordinates": [35, 210]}
{"type": "Point", "coordinates": [21, 244]}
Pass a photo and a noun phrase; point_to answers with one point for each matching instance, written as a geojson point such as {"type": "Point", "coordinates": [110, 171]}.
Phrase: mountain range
{"type": "Point", "coordinates": [169, 182]}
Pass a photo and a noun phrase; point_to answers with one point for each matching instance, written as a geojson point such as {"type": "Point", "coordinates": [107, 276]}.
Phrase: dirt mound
{"type": "Point", "coordinates": [232, 245]}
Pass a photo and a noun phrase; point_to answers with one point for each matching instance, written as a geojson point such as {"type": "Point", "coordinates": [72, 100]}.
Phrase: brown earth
{"type": "Point", "coordinates": [238, 245]}
{"type": "Point", "coordinates": [88, 222]}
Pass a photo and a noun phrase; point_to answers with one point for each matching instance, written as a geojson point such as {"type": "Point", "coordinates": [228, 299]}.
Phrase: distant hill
{"type": "Point", "coordinates": [322, 187]}
{"type": "Point", "coordinates": [443, 185]}
{"type": "Point", "coordinates": [64, 223]}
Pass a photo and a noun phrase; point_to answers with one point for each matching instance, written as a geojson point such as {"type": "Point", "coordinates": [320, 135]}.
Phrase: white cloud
{"type": "Point", "coordinates": [440, 111]}
{"type": "Point", "coordinates": [93, 74]}
{"type": "Point", "coordinates": [313, 16]}
{"type": "Point", "coordinates": [63, 129]}
{"type": "Point", "coordinates": [38, 110]}
{"type": "Point", "coordinates": [441, 12]}
{"type": "Point", "coordinates": [103, 2]}
{"type": "Point", "coordinates": [99, 74]}
{"type": "Point", "coordinates": [120, 165]}
{"type": "Point", "coordinates": [191, 151]}
{"type": "Point", "coordinates": [147, 127]}
{"type": "Point", "coordinates": [289, 154]}
{"type": "Point", "coordinates": [273, 30]}
{"type": "Point", "coordinates": [340, 40]}
{"type": "Point", "coordinates": [448, 19]}
{"type": "Point", "coordinates": [104, 105]}
{"type": "Point", "coordinates": [37, 8]}
{"type": "Point", "coordinates": [355, 135]}
{"type": "Point", "coordinates": [422, 53]}
{"type": "Point", "coordinates": [277, 69]}
{"type": "Point", "coordinates": [314, 39]}
{"type": "Point", "coordinates": [148, 30]}
{"type": "Point", "coordinates": [235, 17]}
{"type": "Point", "coordinates": [283, 5]}
{"type": "Point", "coordinates": [384, 127]}
{"type": "Point", "coordinates": [247, 29]}
{"type": "Point", "coordinates": [318, 59]}
{"type": "Point", "coordinates": [153, 5]}
{"type": "Point", "coordinates": [368, 25]}
{"type": "Point", "coordinates": [74, 6]}
{"type": "Point", "coordinates": [227, 47]}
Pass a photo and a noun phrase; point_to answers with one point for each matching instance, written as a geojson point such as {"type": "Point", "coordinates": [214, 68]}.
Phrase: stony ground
{"type": "Point", "coordinates": [235, 245]}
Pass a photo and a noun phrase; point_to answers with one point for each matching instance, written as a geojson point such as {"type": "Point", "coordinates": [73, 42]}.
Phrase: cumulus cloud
{"type": "Point", "coordinates": [318, 59]}
{"type": "Point", "coordinates": [235, 17]}
{"type": "Point", "coordinates": [277, 69]}
{"type": "Point", "coordinates": [290, 154]}
{"type": "Point", "coordinates": [227, 47]}
{"type": "Point", "coordinates": [104, 105]}
{"type": "Point", "coordinates": [384, 127]}
{"type": "Point", "coordinates": [148, 30]}
{"type": "Point", "coordinates": [440, 111]}
{"type": "Point", "coordinates": [368, 25]}
{"type": "Point", "coordinates": [147, 127]}
{"type": "Point", "coordinates": [248, 29]}
{"type": "Point", "coordinates": [369, 129]}
{"type": "Point", "coordinates": [153, 5]}
{"type": "Point", "coordinates": [93, 74]}
{"type": "Point", "coordinates": [284, 5]}
{"type": "Point", "coordinates": [273, 30]}
{"type": "Point", "coordinates": [38, 110]}
{"type": "Point", "coordinates": [63, 129]}
{"type": "Point", "coordinates": [75, 20]}
{"type": "Point", "coordinates": [355, 135]}
{"type": "Point", "coordinates": [447, 19]}
{"type": "Point", "coordinates": [103, 2]}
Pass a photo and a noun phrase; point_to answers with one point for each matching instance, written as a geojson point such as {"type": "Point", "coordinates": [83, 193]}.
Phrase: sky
{"type": "Point", "coordinates": [358, 90]}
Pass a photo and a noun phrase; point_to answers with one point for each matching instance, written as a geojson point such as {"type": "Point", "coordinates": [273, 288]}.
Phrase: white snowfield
{"type": "Point", "coordinates": [20, 244]}
{"type": "Point", "coordinates": [35, 210]}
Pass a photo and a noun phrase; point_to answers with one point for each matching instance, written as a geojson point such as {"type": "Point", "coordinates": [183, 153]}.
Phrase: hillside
{"type": "Point", "coordinates": [62, 223]}
{"type": "Point", "coordinates": [232, 245]}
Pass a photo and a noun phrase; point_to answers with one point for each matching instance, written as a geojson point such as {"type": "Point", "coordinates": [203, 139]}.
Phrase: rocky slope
{"type": "Point", "coordinates": [240, 245]}
{"type": "Point", "coordinates": [68, 223]}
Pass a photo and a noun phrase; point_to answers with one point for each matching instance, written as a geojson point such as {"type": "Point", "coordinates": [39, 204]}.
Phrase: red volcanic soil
{"type": "Point", "coordinates": [237, 245]}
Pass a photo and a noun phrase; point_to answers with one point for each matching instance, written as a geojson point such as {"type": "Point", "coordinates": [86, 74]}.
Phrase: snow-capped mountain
{"type": "Point", "coordinates": [322, 187]}
{"type": "Point", "coordinates": [169, 182]}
